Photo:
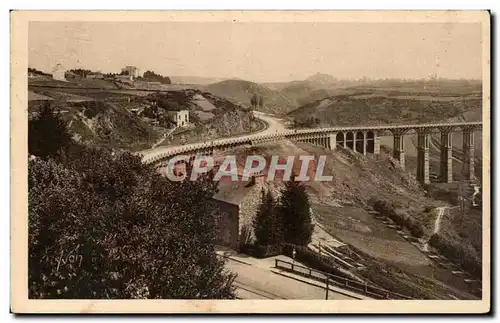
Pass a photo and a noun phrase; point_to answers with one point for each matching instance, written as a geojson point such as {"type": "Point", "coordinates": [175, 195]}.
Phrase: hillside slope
{"type": "Point", "coordinates": [241, 91]}
{"type": "Point", "coordinates": [342, 208]}
{"type": "Point", "coordinates": [210, 116]}
{"type": "Point", "coordinates": [108, 124]}
{"type": "Point", "coordinates": [304, 92]}
{"type": "Point", "coordinates": [137, 120]}
{"type": "Point", "coordinates": [374, 108]}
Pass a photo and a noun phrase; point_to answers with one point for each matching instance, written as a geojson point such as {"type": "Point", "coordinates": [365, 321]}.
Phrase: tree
{"type": "Point", "coordinates": [152, 76]}
{"type": "Point", "coordinates": [47, 133]}
{"type": "Point", "coordinates": [104, 225]}
{"type": "Point", "coordinates": [80, 72]}
{"type": "Point", "coordinates": [254, 100]}
{"type": "Point", "coordinates": [264, 222]}
{"type": "Point", "coordinates": [261, 101]}
{"type": "Point", "coordinates": [294, 212]}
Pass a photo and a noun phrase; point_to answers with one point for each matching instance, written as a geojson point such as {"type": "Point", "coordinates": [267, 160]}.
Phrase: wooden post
{"type": "Point", "coordinates": [327, 288]}
{"type": "Point", "coordinates": [275, 262]}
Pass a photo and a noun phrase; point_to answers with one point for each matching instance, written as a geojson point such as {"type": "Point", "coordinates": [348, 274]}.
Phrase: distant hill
{"type": "Point", "coordinates": [303, 92]}
{"type": "Point", "coordinates": [195, 80]}
{"type": "Point", "coordinates": [394, 102]}
{"type": "Point", "coordinates": [241, 91]}
{"type": "Point", "coordinates": [322, 79]}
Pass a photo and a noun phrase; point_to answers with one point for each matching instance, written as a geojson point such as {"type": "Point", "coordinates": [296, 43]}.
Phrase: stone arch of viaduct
{"type": "Point", "coordinates": [364, 140]}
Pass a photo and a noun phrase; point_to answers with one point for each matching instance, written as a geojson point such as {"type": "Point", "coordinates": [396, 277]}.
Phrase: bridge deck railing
{"type": "Point", "coordinates": [319, 132]}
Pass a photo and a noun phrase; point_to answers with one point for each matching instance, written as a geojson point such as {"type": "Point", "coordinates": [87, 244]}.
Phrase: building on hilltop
{"type": "Point", "coordinates": [127, 79]}
{"type": "Point", "coordinates": [132, 71]}
{"type": "Point", "coordinates": [179, 118]}
{"type": "Point", "coordinates": [58, 73]}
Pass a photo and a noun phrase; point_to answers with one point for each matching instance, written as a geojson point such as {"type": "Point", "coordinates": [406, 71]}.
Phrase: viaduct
{"type": "Point", "coordinates": [364, 140]}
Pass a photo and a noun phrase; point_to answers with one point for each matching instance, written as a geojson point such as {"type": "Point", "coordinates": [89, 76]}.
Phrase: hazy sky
{"type": "Point", "coordinates": [262, 51]}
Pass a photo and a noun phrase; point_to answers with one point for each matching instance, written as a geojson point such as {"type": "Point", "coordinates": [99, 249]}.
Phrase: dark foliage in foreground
{"type": "Point", "coordinates": [103, 225]}
{"type": "Point", "coordinates": [47, 133]}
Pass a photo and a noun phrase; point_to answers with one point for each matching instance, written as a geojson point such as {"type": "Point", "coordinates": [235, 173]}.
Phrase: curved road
{"type": "Point", "coordinates": [275, 126]}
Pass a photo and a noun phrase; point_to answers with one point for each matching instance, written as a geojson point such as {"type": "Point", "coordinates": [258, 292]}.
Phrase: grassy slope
{"type": "Point", "coordinates": [241, 91]}
{"type": "Point", "coordinates": [228, 120]}
{"type": "Point", "coordinates": [417, 102]}
{"type": "Point", "coordinates": [114, 126]}
{"type": "Point", "coordinates": [392, 262]}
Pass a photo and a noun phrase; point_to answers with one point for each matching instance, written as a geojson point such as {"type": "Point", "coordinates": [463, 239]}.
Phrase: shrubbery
{"type": "Point", "coordinates": [260, 251]}
{"type": "Point", "coordinates": [104, 225]}
{"type": "Point", "coordinates": [47, 133]}
{"type": "Point", "coordinates": [457, 253]}
{"type": "Point", "coordinates": [400, 217]}
{"type": "Point", "coordinates": [312, 259]}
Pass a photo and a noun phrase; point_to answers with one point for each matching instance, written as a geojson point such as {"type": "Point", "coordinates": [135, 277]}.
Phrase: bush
{"type": "Point", "coordinates": [47, 133]}
{"type": "Point", "coordinates": [400, 217]}
{"type": "Point", "coordinates": [259, 251]}
{"type": "Point", "coordinates": [457, 253]}
{"type": "Point", "coordinates": [428, 208]}
{"type": "Point", "coordinates": [312, 259]}
{"type": "Point", "coordinates": [102, 225]}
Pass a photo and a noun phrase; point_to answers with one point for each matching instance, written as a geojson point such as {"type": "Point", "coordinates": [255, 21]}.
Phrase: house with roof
{"type": "Point", "coordinates": [237, 203]}
{"type": "Point", "coordinates": [179, 118]}
{"type": "Point", "coordinates": [58, 73]}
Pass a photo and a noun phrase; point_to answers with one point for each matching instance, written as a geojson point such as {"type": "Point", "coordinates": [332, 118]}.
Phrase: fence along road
{"type": "Point", "coordinates": [342, 282]}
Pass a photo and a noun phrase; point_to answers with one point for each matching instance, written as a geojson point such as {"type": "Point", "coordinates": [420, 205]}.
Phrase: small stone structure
{"type": "Point", "coordinates": [238, 203]}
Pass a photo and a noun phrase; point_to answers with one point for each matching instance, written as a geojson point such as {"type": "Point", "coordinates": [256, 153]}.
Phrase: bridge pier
{"type": "Point", "coordinates": [468, 148]}
{"type": "Point", "coordinates": [423, 157]}
{"type": "Point", "coordinates": [332, 141]}
{"type": "Point", "coordinates": [446, 161]}
{"type": "Point", "coordinates": [398, 147]}
{"type": "Point", "coordinates": [365, 142]}
{"type": "Point", "coordinates": [376, 143]}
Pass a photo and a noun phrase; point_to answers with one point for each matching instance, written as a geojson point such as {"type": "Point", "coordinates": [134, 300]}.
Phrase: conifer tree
{"type": "Point", "coordinates": [47, 133]}
{"type": "Point", "coordinates": [295, 214]}
{"type": "Point", "coordinates": [263, 222]}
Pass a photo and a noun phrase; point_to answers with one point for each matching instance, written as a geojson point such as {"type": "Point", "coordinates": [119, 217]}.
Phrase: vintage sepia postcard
{"type": "Point", "coordinates": [250, 161]}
